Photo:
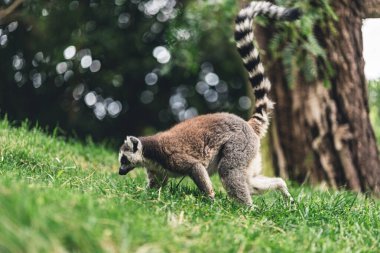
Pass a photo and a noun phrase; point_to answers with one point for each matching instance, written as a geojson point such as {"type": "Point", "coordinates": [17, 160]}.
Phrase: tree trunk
{"type": "Point", "coordinates": [324, 134]}
{"type": "Point", "coordinates": [372, 8]}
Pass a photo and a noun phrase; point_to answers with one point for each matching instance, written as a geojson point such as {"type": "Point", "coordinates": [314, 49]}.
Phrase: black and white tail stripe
{"type": "Point", "coordinates": [244, 38]}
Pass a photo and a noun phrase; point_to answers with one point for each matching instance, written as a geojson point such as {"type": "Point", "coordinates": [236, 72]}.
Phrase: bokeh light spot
{"type": "Point", "coordinates": [191, 113]}
{"type": "Point", "coordinates": [18, 76]}
{"type": "Point", "coordinates": [151, 78]}
{"type": "Point", "coordinates": [212, 79]}
{"type": "Point", "coordinates": [245, 102]}
{"type": "Point", "coordinates": [69, 52]}
{"type": "Point", "coordinates": [12, 26]}
{"type": "Point", "coordinates": [18, 62]}
{"type": "Point", "coordinates": [78, 91]}
{"type": "Point", "coordinates": [162, 54]}
{"type": "Point", "coordinates": [61, 67]}
{"type": "Point", "coordinates": [100, 110]}
{"type": "Point", "coordinates": [95, 66]}
{"type": "Point", "coordinates": [201, 87]}
{"type": "Point", "coordinates": [211, 96]}
{"type": "Point", "coordinates": [114, 108]}
{"type": "Point", "coordinates": [68, 75]}
{"type": "Point", "coordinates": [86, 61]}
{"type": "Point", "coordinates": [123, 20]}
{"type": "Point", "coordinates": [183, 34]}
{"type": "Point", "coordinates": [37, 80]}
{"type": "Point", "coordinates": [3, 40]}
{"type": "Point", "coordinates": [90, 99]}
{"type": "Point", "coordinates": [44, 12]}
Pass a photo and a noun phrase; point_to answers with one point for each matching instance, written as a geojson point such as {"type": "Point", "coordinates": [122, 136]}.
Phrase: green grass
{"type": "Point", "coordinates": [59, 196]}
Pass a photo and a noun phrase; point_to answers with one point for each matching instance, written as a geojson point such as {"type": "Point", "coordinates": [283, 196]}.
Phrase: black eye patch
{"type": "Point", "coordinates": [135, 144]}
{"type": "Point", "coordinates": [124, 160]}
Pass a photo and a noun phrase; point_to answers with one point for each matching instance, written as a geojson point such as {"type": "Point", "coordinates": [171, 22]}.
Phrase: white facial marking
{"type": "Point", "coordinates": [120, 156]}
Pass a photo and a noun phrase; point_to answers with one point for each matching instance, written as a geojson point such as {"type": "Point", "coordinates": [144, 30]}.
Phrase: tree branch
{"type": "Point", "coordinates": [5, 12]}
{"type": "Point", "coordinates": [372, 8]}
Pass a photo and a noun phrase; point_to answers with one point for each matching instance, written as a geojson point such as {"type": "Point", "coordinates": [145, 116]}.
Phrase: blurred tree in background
{"type": "Point", "coordinates": [322, 130]}
{"type": "Point", "coordinates": [108, 68]}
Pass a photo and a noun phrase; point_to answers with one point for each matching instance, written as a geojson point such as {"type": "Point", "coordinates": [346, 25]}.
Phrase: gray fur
{"type": "Point", "coordinates": [200, 147]}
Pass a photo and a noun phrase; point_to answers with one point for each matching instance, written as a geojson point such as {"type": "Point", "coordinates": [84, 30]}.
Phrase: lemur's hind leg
{"type": "Point", "coordinates": [235, 157]}
{"type": "Point", "coordinates": [233, 180]}
{"type": "Point", "coordinates": [259, 184]}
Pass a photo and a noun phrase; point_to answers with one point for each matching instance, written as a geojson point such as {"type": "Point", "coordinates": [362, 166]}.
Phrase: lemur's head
{"type": "Point", "coordinates": [130, 155]}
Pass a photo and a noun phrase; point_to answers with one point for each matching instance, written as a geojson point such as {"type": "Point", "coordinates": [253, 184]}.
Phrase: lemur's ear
{"type": "Point", "coordinates": [135, 143]}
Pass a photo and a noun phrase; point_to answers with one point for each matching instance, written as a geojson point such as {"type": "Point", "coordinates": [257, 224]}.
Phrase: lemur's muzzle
{"type": "Point", "coordinates": [124, 169]}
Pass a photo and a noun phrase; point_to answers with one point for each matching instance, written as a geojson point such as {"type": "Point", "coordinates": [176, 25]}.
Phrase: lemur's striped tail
{"type": "Point", "coordinates": [244, 41]}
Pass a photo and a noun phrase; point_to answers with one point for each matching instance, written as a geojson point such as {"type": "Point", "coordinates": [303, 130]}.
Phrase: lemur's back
{"type": "Point", "coordinates": [203, 136]}
{"type": "Point", "coordinates": [210, 128]}
{"type": "Point", "coordinates": [201, 140]}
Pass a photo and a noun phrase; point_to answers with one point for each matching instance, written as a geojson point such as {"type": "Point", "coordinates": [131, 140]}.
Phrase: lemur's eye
{"type": "Point", "coordinates": [124, 160]}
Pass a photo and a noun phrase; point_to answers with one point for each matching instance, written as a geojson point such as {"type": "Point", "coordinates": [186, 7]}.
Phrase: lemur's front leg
{"type": "Point", "coordinates": [156, 180]}
{"type": "Point", "coordinates": [201, 178]}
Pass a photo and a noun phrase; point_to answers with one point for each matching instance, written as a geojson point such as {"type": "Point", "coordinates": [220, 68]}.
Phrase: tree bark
{"type": "Point", "coordinates": [324, 134]}
{"type": "Point", "coordinates": [4, 13]}
{"type": "Point", "coordinates": [372, 8]}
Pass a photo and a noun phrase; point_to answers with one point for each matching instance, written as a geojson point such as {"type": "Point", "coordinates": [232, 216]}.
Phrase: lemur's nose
{"type": "Point", "coordinates": [124, 169]}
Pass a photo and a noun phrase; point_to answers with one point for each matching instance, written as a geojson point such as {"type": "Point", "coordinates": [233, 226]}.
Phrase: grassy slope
{"type": "Point", "coordinates": [57, 196]}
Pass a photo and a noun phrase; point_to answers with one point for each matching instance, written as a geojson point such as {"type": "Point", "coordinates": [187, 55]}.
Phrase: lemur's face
{"type": "Point", "coordinates": [130, 155]}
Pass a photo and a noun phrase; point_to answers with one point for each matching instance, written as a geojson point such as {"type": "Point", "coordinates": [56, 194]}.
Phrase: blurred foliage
{"type": "Point", "coordinates": [77, 63]}
{"type": "Point", "coordinates": [374, 103]}
{"type": "Point", "coordinates": [209, 23]}
{"type": "Point", "coordinates": [302, 52]}
{"type": "Point", "coordinates": [111, 68]}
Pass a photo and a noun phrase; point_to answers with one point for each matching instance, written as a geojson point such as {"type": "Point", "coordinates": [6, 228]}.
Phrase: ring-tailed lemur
{"type": "Point", "coordinates": [219, 142]}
